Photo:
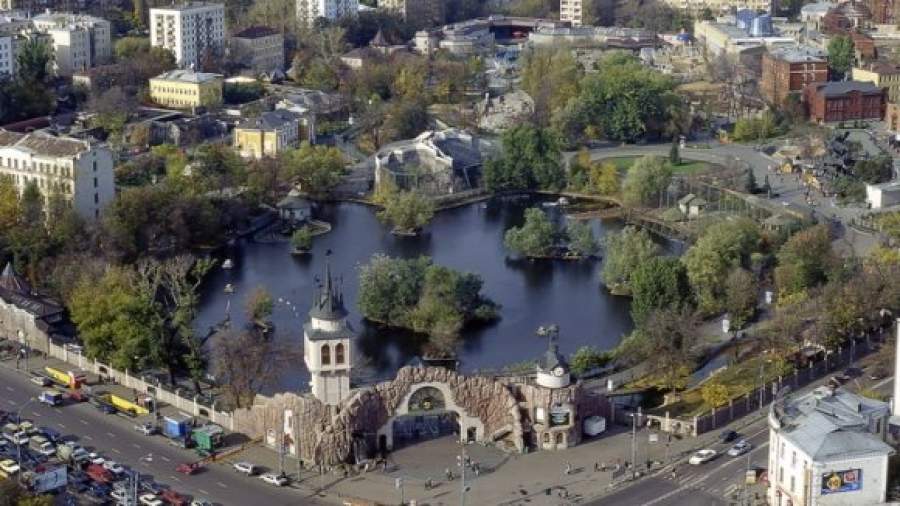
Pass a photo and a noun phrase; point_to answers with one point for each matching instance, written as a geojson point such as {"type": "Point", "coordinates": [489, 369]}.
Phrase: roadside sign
{"type": "Point", "coordinates": [398, 483]}
{"type": "Point", "coordinates": [654, 437]}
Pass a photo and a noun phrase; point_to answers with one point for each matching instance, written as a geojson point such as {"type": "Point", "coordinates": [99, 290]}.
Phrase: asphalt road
{"type": "Point", "coordinates": [710, 484]}
{"type": "Point", "coordinates": [115, 438]}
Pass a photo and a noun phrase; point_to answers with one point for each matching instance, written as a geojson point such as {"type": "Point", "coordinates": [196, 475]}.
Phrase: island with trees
{"type": "Point", "coordinates": [539, 237]}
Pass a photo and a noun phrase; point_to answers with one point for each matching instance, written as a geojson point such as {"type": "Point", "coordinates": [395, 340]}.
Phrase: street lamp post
{"type": "Point", "coordinates": [633, 443]}
{"type": "Point", "coordinates": [18, 444]}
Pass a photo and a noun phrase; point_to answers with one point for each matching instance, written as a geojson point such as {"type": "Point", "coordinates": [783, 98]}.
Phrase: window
{"type": "Point", "coordinates": [339, 353]}
{"type": "Point", "coordinates": [781, 475]}
{"type": "Point", "coordinates": [326, 355]}
{"type": "Point", "coordinates": [95, 179]}
{"type": "Point", "coordinates": [546, 437]}
{"type": "Point", "coordinates": [794, 458]}
{"type": "Point", "coordinates": [792, 484]}
{"type": "Point", "coordinates": [96, 198]}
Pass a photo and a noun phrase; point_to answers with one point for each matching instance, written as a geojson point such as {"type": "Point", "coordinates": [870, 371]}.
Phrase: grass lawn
{"type": "Point", "coordinates": [687, 167]}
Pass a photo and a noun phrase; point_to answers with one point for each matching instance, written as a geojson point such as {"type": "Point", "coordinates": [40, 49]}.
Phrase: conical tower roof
{"type": "Point", "coordinates": [329, 301]}
{"type": "Point", "coordinates": [13, 282]}
{"type": "Point", "coordinates": [379, 40]}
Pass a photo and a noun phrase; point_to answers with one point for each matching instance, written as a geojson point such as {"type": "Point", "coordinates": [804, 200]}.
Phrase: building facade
{"type": "Point", "coordinates": [719, 6]}
{"type": "Point", "coordinates": [572, 11]}
{"type": "Point", "coordinates": [788, 70]}
{"type": "Point", "coordinates": [190, 31]}
{"type": "Point", "coordinates": [881, 74]}
{"type": "Point", "coordinates": [327, 340]}
{"type": "Point", "coordinates": [844, 101]}
{"type": "Point", "coordinates": [9, 41]}
{"type": "Point", "coordinates": [183, 89]}
{"type": "Point", "coordinates": [79, 42]}
{"type": "Point", "coordinates": [417, 12]}
{"type": "Point", "coordinates": [268, 135]}
{"type": "Point", "coordinates": [25, 316]}
{"type": "Point", "coordinates": [827, 448]}
{"type": "Point", "coordinates": [263, 46]}
{"type": "Point", "coordinates": [308, 11]}
{"type": "Point", "coordinates": [77, 170]}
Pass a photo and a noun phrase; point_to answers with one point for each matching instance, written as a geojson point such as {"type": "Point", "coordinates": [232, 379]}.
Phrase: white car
{"type": "Point", "coordinates": [41, 380]}
{"type": "Point", "coordinates": [274, 479]}
{"type": "Point", "coordinates": [245, 467]}
{"type": "Point", "coordinates": [150, 500]}
{"type": "Point", "coordinates": [113, 467]}
{"type": "Point", "coordinates": [702, 457]}
{"type": "Point", "coordinates": [96, 458]}
{"type": "Point", "coordinates": [9, 466]}
{"type": "Point", "coordinates": [740, 448]}
{"type": "Point", "coordinates": [201, 502]}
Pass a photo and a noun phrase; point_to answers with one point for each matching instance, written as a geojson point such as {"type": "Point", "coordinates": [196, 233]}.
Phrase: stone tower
{"type": "Point", "coordinates": [326, 344]}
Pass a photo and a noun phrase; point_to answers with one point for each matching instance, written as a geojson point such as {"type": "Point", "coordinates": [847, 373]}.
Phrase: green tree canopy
{"type": "Point", "coordinates": [530, 160]}
{"type": "Point", "coordinates": [741, 294]}
{"type": "Point", "coordinates": [625, 252]}
{"type": "Point", "coordinates": [535, 238]}
{"type": "Point", "coordinates": [318, 169]}
{"type": "Point", "coordinates": [841, 54]}
{"type": "Point", "coordinates": [647, 178]}
{"type": "Point", "coordinates": [581, 238]}
{"type": "Point", "coordinates": [407, 211]}
{"type": "Point", "coordinates": [33, 60]}
{"type": "Point", "coordinates": [804, 261]}
{"type": "Point", "coordinates": [658, 283]}
{"type": "Point", "coordinates": [722, 246]}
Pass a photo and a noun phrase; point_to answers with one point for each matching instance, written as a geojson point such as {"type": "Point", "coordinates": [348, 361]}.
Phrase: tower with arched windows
{"type": "Point", "coordinates": [326, 344]}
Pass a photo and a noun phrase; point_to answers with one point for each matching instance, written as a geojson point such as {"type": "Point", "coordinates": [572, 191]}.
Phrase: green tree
{"type": "Point", "coordinates": [587, 358]}
{"type": "Point", "coordinates": [535, 238]}
{"type": "Point", "coordinates": [840, 54]}
{"type": "Point", "coordinates": [648, 177]}
{"type": "Point", "coordinates": [741, 294]}
{"type": "Point", "coordinates": [129, 47]}
{"type": "Point", "coordinates": [259, 304]}
{"type": "Point", "coordinates": [318, 169]}
{"type": "Point", "coordinates": [877, 170]}
{"type": "Point", "coordinates": [301, 239]}
{"type": "Point", "coordinates": [669, 339]}
{"type": "Point", "coordinates": [714, 394]}
{"type": "Point", "coordinates": [581, 238]}
{"type": "Point", "coordinates": [31, 205]}
{"type": "Point", "coordinates": [804, 261]}
{"type": "Point", "coordinates": [674, 154]}
{"type": "Point", "coordinates": [33, 60]}
{"type": "Point", "coordinates": [722, 246]}
{"type": "Point", "coordinates": [530, 160]}
{"type": "Point", "coordinates": [625, 252]}
{"type": "Point", "coordinates": [10, 212]}
{"type": "Point", "coordinates": [657, 283]}
{"type": "Point", "coordinates": [550, 77]}
{"type": "Point", "coordinates": [603, 178]}
{"type": "Point", "coordinates": [408, 212]}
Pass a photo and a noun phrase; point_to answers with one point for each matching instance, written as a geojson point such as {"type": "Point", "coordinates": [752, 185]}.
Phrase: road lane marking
{"type": "Point", "coordinates": [165, 458]}
{"type": "Point", "coordinates": [35, 413]}
{"type": "Point", "coordinates": [61, 426]}
{"type": "Point", "coordinates": [117, 451]}
{"type": "Point", "coordinates": [57, 410]}
{"type": "Point", "coordinates": [89, 438]}
{"type": "Point", "coordinates": [11, 402]}
{"type": "Point", "coordinates": [110, 434]}
{"type": "Point", "coordinates": [219, 483]}
{"type": "Point", "coordinates": [83, 422]}
{"type": "Point", "coordinates": [10, 389]}
{"type": "Point", "coordinates": [204, 492]}
{"type": "Point", "coordinates": [136, 445]}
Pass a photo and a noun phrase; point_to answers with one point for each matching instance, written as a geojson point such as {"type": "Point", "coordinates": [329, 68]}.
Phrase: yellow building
{"type": "Point", "coordinates": [184, 89]}
{"type": "Point", "coordinates": [883, 75]}
{"type": "Point", "coordinates": [267, 135]}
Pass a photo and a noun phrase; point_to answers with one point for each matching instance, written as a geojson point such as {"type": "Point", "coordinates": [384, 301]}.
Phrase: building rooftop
{"type": "Point", "coordinates": [43, 144]}
{"type": "Point", "coordinates": [270, 120]}
{"type": "Point", "coordinates": [188, 76]}
{"type": "Point", "coordinates": [828, 424]}
{"type": "Point", "coordinates": [62, 19]}
{"type": "Point", "coordinates": [832, 89]}
{"type": "Point", "coordinates": [882, 68]}
{"type": "Point", "coordinates": [188, 6]}
{"type": "Point", "coordinates": [799, 54]}
{"type": "Point", "coordinates": [816, 8]}
{"type": "Point", "coordinates": [255, 32]}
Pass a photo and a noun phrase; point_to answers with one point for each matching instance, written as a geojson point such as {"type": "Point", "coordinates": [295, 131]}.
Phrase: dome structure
{"type": "Point", "coordinates": [553, 369]}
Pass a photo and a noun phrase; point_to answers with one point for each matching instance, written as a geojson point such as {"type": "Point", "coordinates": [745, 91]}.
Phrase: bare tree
{"type": "Point", "coordinates": [245, 364]}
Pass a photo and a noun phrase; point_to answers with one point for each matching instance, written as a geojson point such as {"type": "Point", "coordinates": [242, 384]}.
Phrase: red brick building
{"type": "Point", "coordinates": [789, 70]}
{"type": "Point", "coordinates": [844, 101]}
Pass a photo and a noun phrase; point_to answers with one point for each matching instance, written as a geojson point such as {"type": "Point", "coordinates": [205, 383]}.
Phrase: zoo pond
{"type": "Point", "coordinates": [468, 239]}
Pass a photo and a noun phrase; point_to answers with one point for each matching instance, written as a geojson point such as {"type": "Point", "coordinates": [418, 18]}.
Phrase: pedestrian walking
{"type": "Point", "coordinates": [449, 474]}
{"type": "Point", "coordinates": [596, 467]}
{"type": "Point", "coordinates": [568, 470]}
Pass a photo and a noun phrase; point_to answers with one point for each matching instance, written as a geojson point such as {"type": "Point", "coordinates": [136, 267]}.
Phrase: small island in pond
{"type": "Point", "coordinates": [539, 237]}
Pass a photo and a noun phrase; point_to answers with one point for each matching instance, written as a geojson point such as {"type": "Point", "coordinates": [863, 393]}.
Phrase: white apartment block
{"type": "Point", "coordinates": [308, 11]}
{"type": "Point", "coordinates": [8, 43]}
{"type": "Point", "coordinates": [189, 31]}
{"type": "Point", "coordinates": [572, 11]}
{"type": "Point", "coordinates": [80, 171]}
{"type": "Point", "coordinates": [79, 42]}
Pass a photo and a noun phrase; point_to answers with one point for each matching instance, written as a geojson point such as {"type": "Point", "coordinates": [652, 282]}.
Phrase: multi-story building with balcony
{"type": "Point", "coordinates": [191, 31]}
{"type": "Point", "coordinates": [79, 171]}
{"type": "Point", "coordinates": [572, 11]}
{"type": "Point", "coordinates": [79, 42]}
{"type": "Point", "coordinates": [308, 11]}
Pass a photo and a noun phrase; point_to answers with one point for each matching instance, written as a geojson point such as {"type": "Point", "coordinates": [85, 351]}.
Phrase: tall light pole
{"type": "Point", "coordinates": [18, 444]}
{"type": "Point", "coordinates": [634, 417]}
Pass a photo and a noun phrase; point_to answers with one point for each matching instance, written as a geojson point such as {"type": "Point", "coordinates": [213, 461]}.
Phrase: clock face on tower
{"type": "Point", "coordinates": [558, 371]}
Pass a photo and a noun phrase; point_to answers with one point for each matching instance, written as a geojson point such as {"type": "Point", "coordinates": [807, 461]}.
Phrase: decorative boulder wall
{"type": "Point", "coordinates": [325, 434]}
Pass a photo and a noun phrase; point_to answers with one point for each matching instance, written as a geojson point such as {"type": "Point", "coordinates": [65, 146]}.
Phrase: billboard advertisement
{"type": "Point", "coordinates": [834, 482]}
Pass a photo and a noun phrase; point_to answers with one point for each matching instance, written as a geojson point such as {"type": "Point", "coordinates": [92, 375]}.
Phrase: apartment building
{"type": "Point", "coordinates": [185, 89]}
{"type": "Point", "coordinates": [190, 31]}
{"type": "Point", "coordinates": [421, 13]}
{"type": "Point", "coordinates": [844, 101]}
{"type": "Point", "coordinates": [78, 170]}
{"type": "Point", "coordinates": [882, 74]}
{"type": "Point", "coordinates": [267, 135]}
{"type": "Point", "coordinates": [789, 70]}
{"type": "Point", "coordinates": [79, 41]}
{"type": "Point", "coordinates": [308, 11]}
{"type": "Point", "coordinates": [719, 6]}
{"type": "Point", "coordinates": [572, 11]}
{"type": "Point", "coordinates": [8, 43]}
{"type": "Point", "coordinates": [261, 47]}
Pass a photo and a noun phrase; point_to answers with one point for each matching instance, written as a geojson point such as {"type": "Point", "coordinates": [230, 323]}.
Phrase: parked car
{"type": "Point", "coordinates": [740, 448]}
{"type": "Point", "coordinates": [52, 435]}
{"type": "Point", "coordinates": [702, 457]}
{"type": "Point", "coordinates": [189, 468]}
{"type": "Point", "coordinates": [106, 408]}
{"type": "Point", "coordinates": [274, 479]}
{"type": "Point", "coordinates": [152, 487]}
{"type": "Point", "coordinates": [174, 498]}
{"type": "Point", "coordinates": [113, 467]}
{"type": "Point", "coordinates": [9, 466]}
{"type": "Point", "coordinates": [728, 436]}
{"type": "Point", "coordinates": [201, 502]}
{"type": "Point", "coordinates": [245, 467]}
{"type": "Point", "coordinates": [119, 494]}
{"type": "Point", "coordinates": [147, 429]}
{"type": "Point", "coordinates": [99, 490]}
{"type": "Point", "coordinates": [150, 500]}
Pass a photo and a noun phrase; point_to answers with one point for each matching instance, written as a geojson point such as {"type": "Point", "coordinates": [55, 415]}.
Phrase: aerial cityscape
{"type": "Point", "coordinates": [449, 252]}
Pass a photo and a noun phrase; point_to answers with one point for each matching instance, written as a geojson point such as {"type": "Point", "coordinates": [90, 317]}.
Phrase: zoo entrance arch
{"type": "Point", "coordinates": [431, 399]}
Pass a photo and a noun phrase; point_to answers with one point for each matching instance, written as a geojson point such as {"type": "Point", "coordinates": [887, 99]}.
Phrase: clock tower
{"type": "Point", "coordinates": [327, 340]}
{"type": "Point", "coordinates": [552, 369]}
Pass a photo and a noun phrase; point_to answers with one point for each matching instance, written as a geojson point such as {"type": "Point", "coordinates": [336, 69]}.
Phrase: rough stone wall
{"type": "Point", "coordinates": [325, 434]}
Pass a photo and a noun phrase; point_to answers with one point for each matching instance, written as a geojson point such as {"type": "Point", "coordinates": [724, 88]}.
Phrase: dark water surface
{"type": "Point", "coordinates": [468, 239]}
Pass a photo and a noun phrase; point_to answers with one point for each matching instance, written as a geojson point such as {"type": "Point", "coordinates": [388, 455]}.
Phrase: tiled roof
{"type": "Point", "coordinates": [187, 76]}
{"type": "Point", "coordinates": [832, 89]}
{"type": "Point", "coordinates": [43, 144]}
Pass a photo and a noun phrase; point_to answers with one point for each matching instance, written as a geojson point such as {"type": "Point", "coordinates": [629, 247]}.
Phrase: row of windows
{"type": "Point", "coordinates": [338, 354]}
{"type": "Point", "coordinates": [43, 183]}
{"type": "Point", "coordinates": [43, 168]}
{"type": "Point", "coordinates": [175, 91]}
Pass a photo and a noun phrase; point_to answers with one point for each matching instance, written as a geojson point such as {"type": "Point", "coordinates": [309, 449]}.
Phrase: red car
{"type": "Point", "coordinates": [174, 498]}
{"type": "Point", "coordinates": [99, 473]}
{"type": "Point", "coordinates": [189, 468]}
